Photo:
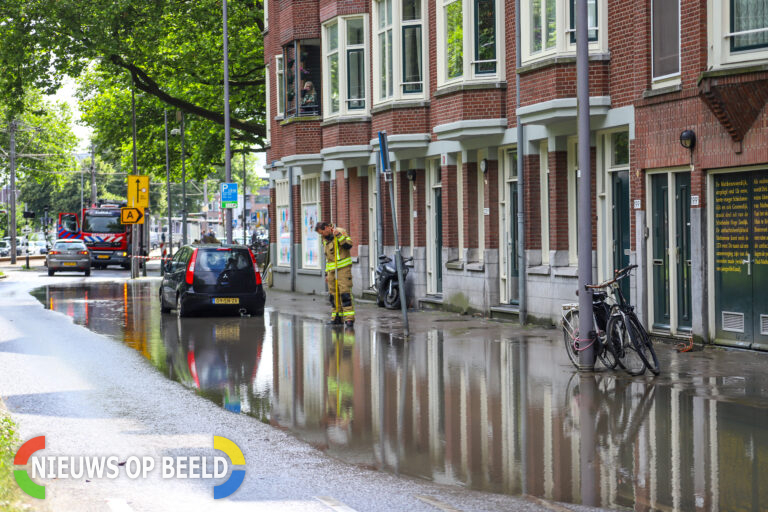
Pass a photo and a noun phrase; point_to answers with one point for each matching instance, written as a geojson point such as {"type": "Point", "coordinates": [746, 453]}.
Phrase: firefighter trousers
{"type": "Point", "coordinates": [347, 307]}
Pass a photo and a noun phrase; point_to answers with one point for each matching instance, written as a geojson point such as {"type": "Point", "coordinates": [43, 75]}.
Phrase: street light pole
{"type": "Point", "coordinates": [183, 186]}
{"type": "Point", "coordinates": [245, 188]}
{"type": "Point", "coordinates": [134, 238]}
{"type": "Point", "coordinates": [168, 187]}
{"type": "Point", "coordinates": [12, 227]}
{"type": "Point", "coordinates": [93, 176]}
{"type": "Point", "coordinates": [227, 150]}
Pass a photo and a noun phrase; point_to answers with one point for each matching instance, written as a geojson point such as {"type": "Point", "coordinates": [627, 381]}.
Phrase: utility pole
{"type": "Point", "coordinates": [227, 150]}
{"type": "Point", "coordinates": [168, 188]}
{"type": "Point", "coordinates": [183, 185]}
{"type": "Point", "coordinates": [245, 188]}
{"type": "Point", "coordinates": [205, 204]}
{"type": "Point", "coordinates": [93, 176]}
{"type": "Point", "coordinates": [586, 329]}
{"type": "Point", "coordinates": [134, 237]}
{"type": "Point", "coordinates": [12, 227]}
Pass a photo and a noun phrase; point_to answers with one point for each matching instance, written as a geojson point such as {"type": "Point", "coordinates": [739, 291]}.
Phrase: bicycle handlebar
{"type": "Point", "coordinates": [620, 274]}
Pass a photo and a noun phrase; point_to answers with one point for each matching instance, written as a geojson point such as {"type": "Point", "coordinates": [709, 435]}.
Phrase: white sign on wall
{"type": "Point", "coordinates": [637, 204]}
{"type": "Point", "coordinates": [694, 200]}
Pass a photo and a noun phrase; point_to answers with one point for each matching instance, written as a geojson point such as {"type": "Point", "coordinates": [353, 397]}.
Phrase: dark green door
{"type": "Point", "coordinates": [741, 259]}
{"type": "Point", "coordinates": [621, 225]}
{"type": "Point", "coordinates": [683, 252]}
{"type": "Point", "coordinates": [513, 272]}
{"type": "Point", "coordinates": [660, 249]}
{"type": "Point", "coordinates": [438, 239]}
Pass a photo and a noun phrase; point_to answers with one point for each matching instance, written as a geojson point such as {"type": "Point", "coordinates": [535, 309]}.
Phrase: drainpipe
{"type": "Point", "coordinates": [521, 279]}
{"type": "Point", "coordinates": [293, 235]}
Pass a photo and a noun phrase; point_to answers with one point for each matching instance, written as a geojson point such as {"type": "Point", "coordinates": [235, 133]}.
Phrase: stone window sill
{"type": "Point", "coordinates": [540, 270]}
{"type": "Point", "coordinates": [454, 265]}
{"type": "Point", "coordinates": [477, 266]}
{"type": "Point", "coordinates": [309, 271]}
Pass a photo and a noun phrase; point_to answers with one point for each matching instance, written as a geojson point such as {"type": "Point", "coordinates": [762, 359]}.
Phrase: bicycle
{"type": "Point", "coordinates": [601, 312]}
{"type": "Point", "coordinates": [625, 334]}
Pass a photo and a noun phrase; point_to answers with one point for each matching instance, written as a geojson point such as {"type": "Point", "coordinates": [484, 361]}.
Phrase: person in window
{"type": "Point", "coordinates": [308, 97]}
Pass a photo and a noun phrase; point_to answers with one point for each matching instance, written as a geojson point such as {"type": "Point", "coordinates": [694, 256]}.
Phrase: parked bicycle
{"type": "Point", "coordinates": [621, 338]}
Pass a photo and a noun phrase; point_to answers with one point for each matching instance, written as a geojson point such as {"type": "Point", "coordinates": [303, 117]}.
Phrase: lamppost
{"type": "Point", "coordinates": [168, 189]}
{"type": "Point", "coordinates": [176, 131]}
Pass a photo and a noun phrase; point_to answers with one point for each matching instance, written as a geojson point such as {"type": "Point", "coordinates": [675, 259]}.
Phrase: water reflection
{"type": "Point", "coordinates": [501, 415]}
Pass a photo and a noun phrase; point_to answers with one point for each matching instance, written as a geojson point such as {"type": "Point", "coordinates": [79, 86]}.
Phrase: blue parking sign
{"type": "Point", "coordinates": [229, 195]}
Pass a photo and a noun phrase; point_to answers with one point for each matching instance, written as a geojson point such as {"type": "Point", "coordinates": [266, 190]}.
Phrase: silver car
{"type": "Point", "coordinates": [69, 255]}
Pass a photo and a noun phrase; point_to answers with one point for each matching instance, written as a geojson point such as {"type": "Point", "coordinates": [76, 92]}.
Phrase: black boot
{"type": "Point", "coordinates": [335, 321]}
{"type": "Point", "coordinates": [349, 324]}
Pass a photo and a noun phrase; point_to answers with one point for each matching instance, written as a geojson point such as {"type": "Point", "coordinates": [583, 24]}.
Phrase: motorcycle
{"type": "Point", "coordinates": [386, 285]}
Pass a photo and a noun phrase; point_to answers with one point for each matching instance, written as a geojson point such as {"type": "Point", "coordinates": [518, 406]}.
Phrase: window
{"type": "Point", "coordinates": [310, 215]}
{"type": "Point", "coordinates": [268, 120]}
{"type": "Point", "coordinates": [301, 69]}
{"type": "Point", "coordinates": [398, 49]}
{"type": "Point", "coordinates": [345, 54]}
{"type": "Point", "coordinates": [665, 38]}
{"type": "Point", "coordinates": [266, 14]}
{"type": "Point", "coordinates": [280, 85]}
{"type": "Point", "coordinates": [469, 40]}
{"type": "Point", "coordinates": [282, 206]}
{"type": "Point", "coordinates": [749, 24]}
{"type": "Point", "coordinates": [551, 27]}
{"type": "Point", "coordinates": [544, 200]}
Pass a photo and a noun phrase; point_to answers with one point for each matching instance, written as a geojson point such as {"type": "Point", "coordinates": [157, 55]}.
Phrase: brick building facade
{"type": "Point", "coordinates": [439, 77]}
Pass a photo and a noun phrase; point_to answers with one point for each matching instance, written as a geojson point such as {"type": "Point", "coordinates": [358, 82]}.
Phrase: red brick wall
{"type": "Point", "coordinates": [531, 199]}
{"type": "Point", "coordinates": [450, 215]}
{"type": "Point", "coordinates": [296, 138]}
{"type": "Point", "coordinates": [469, 182]}
{"type": "Point", "coordinates": [296, 216]}
{"type": "Point", "coordinates": [558, 200]}
{"type": "Point", "coordinates": [346, 134]}
{"type": "Point", "coordinates": [559, 81]}
{"type": "Point", "coordinates": [298, 19]}
{"type": "Point", "coordinates": [467, 105]}
{"type": "Point", "coordinates": [401, 120]}
{"type": "Point", "coordinates": [332, 8]}
{"type": "Point", "coordinates": [491, 195]}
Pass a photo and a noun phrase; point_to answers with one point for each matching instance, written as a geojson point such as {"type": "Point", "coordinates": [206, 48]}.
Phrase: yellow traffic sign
{"type": "Point", "coordinates": [138, 191]}
{"type": "Point", "coordinates": [131, 215]}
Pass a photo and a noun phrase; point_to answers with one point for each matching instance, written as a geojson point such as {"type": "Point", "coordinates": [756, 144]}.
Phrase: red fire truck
{"type": "Point", "coordinates": [100, 228]}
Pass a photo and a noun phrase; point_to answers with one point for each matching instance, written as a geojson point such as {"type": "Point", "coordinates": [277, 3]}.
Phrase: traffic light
{"type": "Point", "coordinates": [29, 215]}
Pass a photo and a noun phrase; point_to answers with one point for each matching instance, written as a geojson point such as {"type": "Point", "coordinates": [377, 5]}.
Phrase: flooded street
{"type": "Point", "coordinates": [466, 402]}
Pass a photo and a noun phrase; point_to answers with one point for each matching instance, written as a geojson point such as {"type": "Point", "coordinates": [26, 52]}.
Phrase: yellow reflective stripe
{"type": "Point", "coordinates": [344, 263]}
{"type": "Point", "coordinates": [330, 266]}
{"type": "Point", "coordinates": [348, 313]}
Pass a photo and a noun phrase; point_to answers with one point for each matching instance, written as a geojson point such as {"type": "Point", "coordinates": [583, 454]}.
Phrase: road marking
{"type": "Point", "coordinates": [544, 503]}
{"type": "Point", "coordinates": [334, 504]}
{"type": "Point", "coordinates": [119, 506]}
{"type": "Point", "coordinates": [436, 503]}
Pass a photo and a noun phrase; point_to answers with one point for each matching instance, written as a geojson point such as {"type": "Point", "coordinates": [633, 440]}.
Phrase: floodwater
{"type": "Point", "coordinates": [478, 404]}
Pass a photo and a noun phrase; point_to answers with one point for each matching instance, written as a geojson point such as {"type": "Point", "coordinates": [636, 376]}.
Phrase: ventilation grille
{"type": "Point", "coordinates": [733, 322]}
{"type": "Point", "coordinates": [764, 325]}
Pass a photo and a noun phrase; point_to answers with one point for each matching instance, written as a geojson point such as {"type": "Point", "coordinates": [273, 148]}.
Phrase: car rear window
{"type": "Point", "coordinates": [68, 246]}
{"type": "Point", "coordinates": [217, 260]}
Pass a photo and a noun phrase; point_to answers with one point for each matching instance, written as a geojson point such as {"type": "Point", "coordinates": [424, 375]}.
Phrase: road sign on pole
{"type": "Point", "coordinates": [131, 215]}
{"type": "Point", "coordinates": [229, 195]}
{"type": "Point", "coordinates": [138, 191]}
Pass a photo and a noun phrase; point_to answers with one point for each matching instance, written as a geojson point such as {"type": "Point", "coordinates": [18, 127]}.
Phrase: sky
{"type": "Point", "coordinates": [67, 94]}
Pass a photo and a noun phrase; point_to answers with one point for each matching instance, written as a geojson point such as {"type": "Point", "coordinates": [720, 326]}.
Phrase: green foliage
{"type": "Point", "coordinates": [10, 494]}
{"type": "Point", "coordinates": [455, 31]}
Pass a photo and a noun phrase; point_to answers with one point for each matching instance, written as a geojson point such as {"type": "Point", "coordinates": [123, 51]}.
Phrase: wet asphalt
{"type": "Point", "coordinates": [468, 414]}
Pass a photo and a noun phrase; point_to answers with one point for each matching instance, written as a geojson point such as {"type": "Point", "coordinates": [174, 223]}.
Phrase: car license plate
{"type": "Point", "coordinates": [69, 263]}
{"type": "Point", "coordinates": [226, 300]}
{"type": "Point", "coordinates": [103, 256]}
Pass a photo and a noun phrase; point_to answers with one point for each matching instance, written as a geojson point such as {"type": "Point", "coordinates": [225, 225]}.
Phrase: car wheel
{"type": "Point", "coordinates": [50, 271]}
{"type": "Point", "coordinates": [87, 272]}
{"type": "Point", "coordinates": [163, 307]}
{"type": "Point", "coordinates": [180, 309]}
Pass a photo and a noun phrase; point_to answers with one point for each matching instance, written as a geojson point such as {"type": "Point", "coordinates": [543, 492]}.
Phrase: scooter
{"type": "Point", "coordinates": [386, 286]}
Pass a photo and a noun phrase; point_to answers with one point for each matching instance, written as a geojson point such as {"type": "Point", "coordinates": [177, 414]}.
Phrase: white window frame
{"type": "Point", "coordinates": [268, 120]}
{"type": "Point", "coordinates": [381, 70]}
{"type": "Point", "coordinates": [397, 53]}
{"type": "Point", "coordinates": [342, 51]}
{"type": "Point", "coordinates": [460, 201]}
{"type": "Point", "coordinates": [719, 39]}
{"type": "Point", "coordinates": [544, 199]}
{"type": "Point", "coordinates": [310, 195]}
{"type": "Point", "coordinates": [563, 44]}
{"type": "Point", "coordinates": [481, 207]}
{"type": "Point", "coordinates": [468, 23]}
{"type": "Point", "coordinates": [673, 78]}
{"type": "Point", "coordinates": [280, 85]}
{"type": "Point", "coordinates": [266, 15]}
{"type": "Point", "coordinates": [282, 202]}
{"type": "Point", "coordinates": [573, 201]}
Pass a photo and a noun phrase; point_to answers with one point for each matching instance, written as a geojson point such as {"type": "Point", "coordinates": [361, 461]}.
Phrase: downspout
{"type": "Point", "coordinates": [521, 279]}
{"type": "Point", "coordinates": [293, 234]}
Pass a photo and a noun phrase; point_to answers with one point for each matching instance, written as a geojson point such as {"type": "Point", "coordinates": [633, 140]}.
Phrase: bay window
{"type": "Point", "coordinates": [551, 27]}
{"type": "Point", "coordinates": [344, 51]}
{"type": "Point", "coordinates": [749, 24]}
{"type": "Point", "coordinates": [665, 38]}
{"type": "Point", "coordinates": [469, 40]}
{"type": "Point", "coordinates": [398, 49]}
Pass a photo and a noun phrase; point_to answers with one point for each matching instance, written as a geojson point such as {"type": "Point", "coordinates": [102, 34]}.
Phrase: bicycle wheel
{"type": "Point", "coordinates": [645, 347]}
{"type": "Point", "coordinates": [628, 355]}
{"type": "Point", "coordinates": [570, 334]}
{"type": "Point", "coordinates": [605, 352]}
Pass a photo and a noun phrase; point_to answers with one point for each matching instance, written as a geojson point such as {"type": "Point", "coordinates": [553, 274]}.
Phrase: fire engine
{"type": "Point", "coordinates": [100, 228]}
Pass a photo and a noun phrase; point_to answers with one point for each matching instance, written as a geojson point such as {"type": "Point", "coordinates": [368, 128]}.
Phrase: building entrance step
{"type": "Point", "coordinates": [505, 312]}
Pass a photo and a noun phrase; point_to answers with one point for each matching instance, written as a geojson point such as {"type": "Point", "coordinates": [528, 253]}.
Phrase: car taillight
{"type": "Point", "coordinates": [191, 268]}
{"type": "Point", "coordinates": [54, 252]}
{"type": "Point", "coordinates": [255, 267]}
{"type": "Point", "coordinates": [83, 252]}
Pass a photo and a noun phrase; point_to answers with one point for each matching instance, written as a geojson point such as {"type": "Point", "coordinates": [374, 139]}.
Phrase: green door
{"type": "Point", "coordinates": [660, 249]}
{"type": "Point", "coordinates": [683, 252]}
{"type": "Point", "coordinates": [621, 225]}
{"type": "Point", "coordinates": [438, 239]}
{"type": "Point", "coordinates": [741, 259]}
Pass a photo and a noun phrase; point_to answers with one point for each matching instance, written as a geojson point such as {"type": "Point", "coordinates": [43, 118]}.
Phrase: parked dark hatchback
{"type": "Point", "coordinates": [209, 278]}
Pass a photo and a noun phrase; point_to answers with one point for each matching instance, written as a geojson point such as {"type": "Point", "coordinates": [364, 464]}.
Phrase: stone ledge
{"type": "Point", "coordinates": [464, 86]}
{"type": "Point", "coordinates": [309, 272]}
{"type": "Point", "coordinates": [281, 270]}
{"type": "Point", "coordinates": [300, 119]}
{"type": "Point", "coordinates": [540, 270]}
{"type": "Point", "coordinates": [397, 105]}
{"type": "Point", "coordinates": [345, 120]}
{"type": "Point", "coordinates": [476, 267]}
{"type": "Point", "coordinates": [454, 265]}
{"type": "Point", "coordinates": [560, 59]}
{"type": "Point", "coordinates": [652, 93]}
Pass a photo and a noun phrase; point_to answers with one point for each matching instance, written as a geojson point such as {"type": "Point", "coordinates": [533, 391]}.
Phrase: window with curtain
{"type": "Point", "coordinates": [665, 37]}
{"type": "Point", "coordinates": [749, 24]}
{"type": "Point", "coordinates": [384, 41]}
{"type": "Point", "coordinates": [412, 50]}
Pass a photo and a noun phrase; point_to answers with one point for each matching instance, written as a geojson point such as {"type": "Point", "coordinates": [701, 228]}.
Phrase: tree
{"type": "Point", "coordinates": [168, 49]}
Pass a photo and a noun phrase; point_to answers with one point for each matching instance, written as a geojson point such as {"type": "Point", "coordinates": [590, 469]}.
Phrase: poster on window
{"type": "Point", "coordinates": [283, 237]}
{"type": "Point", "coordinates": [311, 246]}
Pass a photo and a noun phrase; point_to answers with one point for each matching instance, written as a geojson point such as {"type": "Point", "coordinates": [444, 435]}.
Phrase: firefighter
{"type": "Point", "coordinates": [338, 272]}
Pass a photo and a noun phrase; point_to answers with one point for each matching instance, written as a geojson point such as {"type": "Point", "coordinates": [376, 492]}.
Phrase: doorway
{"type": "Point", "coordinates": [508, 262]}
{"type": "Point", "coordinates": [434, 228]}
{"type": "Point", "coordinates": [670, 251]}
{"type": "Point", "coordinates": [621, 233]}
{"type": "Point", "coordinates": [373, 232]}
{"type": "Point", "coordinates": [739, 215]}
